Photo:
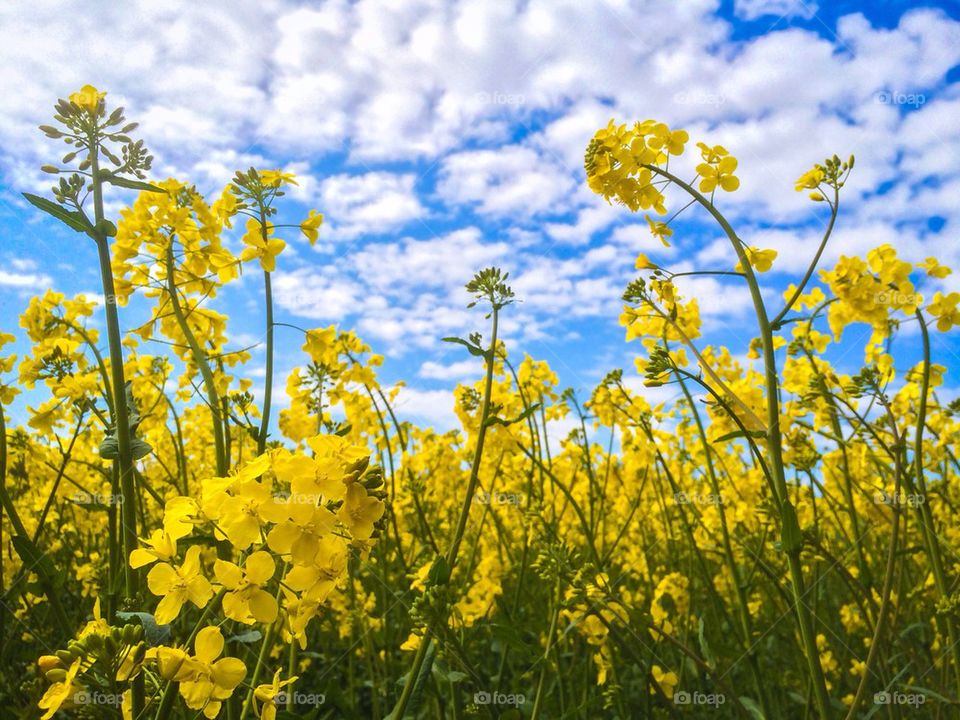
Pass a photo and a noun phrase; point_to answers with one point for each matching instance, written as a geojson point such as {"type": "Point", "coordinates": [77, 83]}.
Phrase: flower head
{"type": "Point", "coordinates": [87, 98]}
{"type": "Point", "coordinates": [179, 584]}
{"type": "Point", "coordinates": [247, 602]}
{"type": "Point", "coordinates": [311, 226]}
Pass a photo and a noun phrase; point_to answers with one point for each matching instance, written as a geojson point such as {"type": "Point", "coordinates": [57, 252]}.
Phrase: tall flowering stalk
{"type": "Point", "coordinates": [95, 136]}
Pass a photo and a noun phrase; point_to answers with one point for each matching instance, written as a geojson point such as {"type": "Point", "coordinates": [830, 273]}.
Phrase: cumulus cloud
{"type": "Point", "coordinates": [753, 9]}
{"type": "Point", "coordinates": [441, 137]}
{"type": "Point", "coordinates": [369, 203]}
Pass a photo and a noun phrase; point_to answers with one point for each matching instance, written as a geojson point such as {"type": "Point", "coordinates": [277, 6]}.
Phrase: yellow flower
{"type": "Point", "coordinates": [179, 515]}
{"type": "Point", "coordinates": [663, 137]}
{"type": "Point", "coordinates": [667, 680]}
{"type": "Point", "coordinates": [300, 535]}
{"type": "Point", "coordinates": [934, 268]}
{"type": "Point", "coordinates": [274, 178]}
{"type": "Point", "coordinates": [162, 547]}
{"type": "Point", "coordinates": [266, 695]}
{"type": "Point", "coordinates": [248, 602]}
{"type": "Point", "coordinates": [643, 263]}
{"type": "Point", "coordinates": [719, 174]}
{"type": "Point", "coordinates": [58, 693]}
{"type": "Point", "coordinates": [177, 585]}
{"type": "Point", "coordinates": [259, 247]}
{"type": "Point", "coordinates": [320, 345]}
{"type": "Point", "coordinates": [659, 230]}
{"type": "Point", "coordinates": [412, 642]}
{"type": "Point", "coordinates": [241, 516]}
{"type": "Point", "coordinates": [311, 226]}
{"type": "Point", "coordinates": [211, 681]}
{"type": "Point", "coordinates": [944, 308]}
{"type": "Point", "coordinates": [359, 512]}
{"type": "Point", "coordinates": [88, 98]}
{"type": "Point", "coordinates": [809, 180]}
{"type": "Point", "coordinates": [761, 260]}
{"type": "Point", "coordinates": [318, 579]}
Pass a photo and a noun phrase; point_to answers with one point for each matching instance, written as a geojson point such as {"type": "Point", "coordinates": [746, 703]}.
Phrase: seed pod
{"type": "Point", "coordinates": [56, 675]}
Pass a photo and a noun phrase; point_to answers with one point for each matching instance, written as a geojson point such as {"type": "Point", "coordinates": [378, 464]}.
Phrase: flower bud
{"type": "Point", "coordinates": [50, 662]}
{"type": "Point", "coordinates": [129, 634]}
{"type": "Point", "coordinates": [52, 169]}
{"type": "Point", "coordinates": [76, 649]}
{"type": "Point", "coordinates": [56, 675]}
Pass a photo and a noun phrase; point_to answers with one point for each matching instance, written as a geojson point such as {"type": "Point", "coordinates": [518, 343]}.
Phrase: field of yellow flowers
{"type": "Point", "coordinates": [776, 544]}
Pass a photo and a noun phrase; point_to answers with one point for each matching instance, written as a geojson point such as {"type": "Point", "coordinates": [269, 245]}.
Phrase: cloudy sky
{"type": "Point", "coordinates": [439, 137]}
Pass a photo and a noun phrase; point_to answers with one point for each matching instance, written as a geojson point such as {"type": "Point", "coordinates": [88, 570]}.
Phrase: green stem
{"type": "Point", "coordinates": [926, 516]}
{"type": "Point", "coordinates": [775, 448]}
{"type": "Point", "coordinates": [268, 380]}
{"type": "Point", "coordinates": [399, 711]}
{"type": "Point", "coordinates": [119, 416]}
{"type": "Point", "coordinates": [200, 358]}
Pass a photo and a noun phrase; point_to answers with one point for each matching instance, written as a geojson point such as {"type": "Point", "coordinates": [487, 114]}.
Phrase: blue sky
{"type": "Point", "coordinates": [441, 137]}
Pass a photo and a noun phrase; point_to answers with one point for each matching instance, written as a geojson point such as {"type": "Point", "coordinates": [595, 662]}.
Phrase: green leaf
{"type": "Point", "coordinates": [519, 418]}
{"type": "Point", "coordinates": [153, 633]}
{"type": "Point", "coordinates": [751, 705]}
{"type": "Point", "coordinates": [705, 647]}
{"type": "Point", "coordinates": [33, 559]}
{"type": "Point", "coordinates": [70, 218]}
{"type": "Point", "coordinates": [109, 448]}
{"type": "Point", "coordinates": [474, 350]}
{"type": "Point", "coordinates": [139, 448]}
{"type": "Point", "coordinates": [439, 573]}
{"type": "Point", "coordinates": [755, 434]}
{"type": "Point", "coordinates": [106, 228]}
{"type": "Point", "coordinates": [123, 182]}
{"type": "Point", "coordinates": [929, 693]}
{"type": "Point", "coordinates": [251, 636]}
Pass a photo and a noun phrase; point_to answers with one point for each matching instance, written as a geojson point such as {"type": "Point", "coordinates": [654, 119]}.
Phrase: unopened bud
{"type": "Point", "coordinates": [56, 675]}
{"type": "Point", "coordinates": [49, 662]}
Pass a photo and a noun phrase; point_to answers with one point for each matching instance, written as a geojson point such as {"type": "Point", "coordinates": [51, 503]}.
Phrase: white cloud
{"type": "Point", "coordinates": [399, 116]}
{"type": "Point", "coordinates": [432, 407]}
{"type": "Point", "coordinates": [372, 202]}
{"type": "Point", "coordinates": [32, 281]}
{"type": "Point", "coordinates": [461, 370]}
{"type": "Point", "coordinates": [512, 181]}
{"type": "Point", "coordinates": [753, 9]}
